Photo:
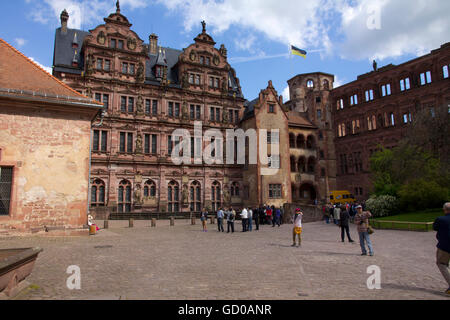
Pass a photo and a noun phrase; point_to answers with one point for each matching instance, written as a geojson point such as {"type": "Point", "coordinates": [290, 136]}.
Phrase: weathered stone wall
{"type": "Point", "coordinates": [310, 213]}
{"type": "Point", "coordinates": [49, 151]}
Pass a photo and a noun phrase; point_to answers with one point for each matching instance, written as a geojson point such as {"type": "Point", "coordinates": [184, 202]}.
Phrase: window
{"type": "Point", "coordinates": [214, 82]}
{"type": "Point", "coordinates": [192, 112]}
{"type": "Point", "coordinates": [275, 191]}
{"type": "Point", "coordinates": [150, 143]}
{"type": "Point", "coordinates": [131, 68]}
{"type": "Point", "coordinates": [236, 116]}
{"type": "Point", "coordinates": [173, 197]}
{"type": "Point", "coordinates": [99, 64]}
{"type": "Point", "coordinates": [216, 196]}
{"type": "Point", "coordinates": [120, 44]}
{"type": "Point", "coordinates": [124, 197]}
{"type": "Point", "coordinates": [274, 161]}
{"type": "Point", "coordinates": [197, 80]}
{"type": "Point", "coordinates": [445, 71]}
{"type": "Point", "coordinates": [198, 112]}
{"type": "Point", "coordinates": [386, 90]}
{"type": "Point", "coordinates": [150, 189]}
{"type": "Point", "coordinates": [127, 104]}
{"type": "Point", "coordinates": [113, 43]}
{"type": "Point", "coordinates": [235, 189]}
{"type": "Point", "coordinates": [208, 61]}
{"type": "Point", "coordinates": [318, 99]}
{"type": "Point", "coordinates": [230, 115]}
{"type": "Point", "coordinates": [202, 59]}
{"type": "Point", "coordinates": [340, 104]}
{"type": "Point", "coordinates": [100, 140]}
{"type": "Point", "coordinates": [425, 78]}
{"type": "Point", "coordinates": [369, 95]}
{"type": "Point", "coordinates": [405, 84]}
{"type": "Point", "coordinates": [310, 84]}
{"type": "Point", "coordinates": [147, 106]}
{"type": "Point", "coordinates": [392, 123]}
{"type": "Point", "coordinates": [319, 114]}
{"type": "Point", "coordinates": [271, 108]}
{"type": "Point", "coordinates": [174, 109]}
{"type": "Point", "coordinates": [124, 67]}
{"type": "Point", "coordinates": [195, 197]}
{"type": "Point", "coordinates": [107, 65]}
{"type": "Point", "coordinates": [405, 118]}
{"type": "Point", "coordinates": [6, 176]}
{"type": "Point", "coordinates": [169, 144]}
{"type": "Point", "coordinates": [354, 99]}
{"type": "Point", "coordinates": [98, 193]}
{"type": "Point", "coordinates": [191, 78]}
{"type": "Point", "coordinates": [126, 142]}
{"type": "Point", "coordinates": [217, 115]}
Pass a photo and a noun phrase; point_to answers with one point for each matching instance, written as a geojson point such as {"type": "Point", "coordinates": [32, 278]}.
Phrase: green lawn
{"type": "Point", "coordinates": [419, 216]}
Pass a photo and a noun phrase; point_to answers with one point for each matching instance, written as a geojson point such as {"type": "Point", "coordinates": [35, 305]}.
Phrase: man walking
{"type": "Point", "coordinates": [362, 223]}
{"type": "Point", "coordinates": [231, 215]}
{"type": "Point", "coordinates": [345, 217]}
{"type": "Point", "coordinates": [220, 216]}
{"type": "Point", "coordinates": [442, 226]}
{"type": "Point", "coordinates": [337, 214]}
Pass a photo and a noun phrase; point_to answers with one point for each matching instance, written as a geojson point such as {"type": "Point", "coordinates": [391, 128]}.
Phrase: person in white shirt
{"type": "Point", "coordinates": [244, 216]}
{"type": "Point", "coordinates": [249, 219]}
{"type": "Point", "coordinates": [297, 220]}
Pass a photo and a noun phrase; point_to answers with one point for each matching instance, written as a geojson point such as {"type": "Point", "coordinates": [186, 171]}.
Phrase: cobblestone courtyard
{"type": "Point", "coordinates": [182, 262]}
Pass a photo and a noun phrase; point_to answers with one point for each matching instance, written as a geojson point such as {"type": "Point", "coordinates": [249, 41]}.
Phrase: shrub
{"type": "Point", "coordinates": [422, 194]}
{"type": "Point", "coordinates": [381, 206]}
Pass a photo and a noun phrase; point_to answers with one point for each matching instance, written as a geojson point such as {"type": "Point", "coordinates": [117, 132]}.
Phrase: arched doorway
{"type": "Point", "coordinates": [308, 192]}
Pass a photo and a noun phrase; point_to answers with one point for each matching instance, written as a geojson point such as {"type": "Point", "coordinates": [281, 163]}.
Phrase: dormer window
{"type": "Point", "coordinates": [159, 71]}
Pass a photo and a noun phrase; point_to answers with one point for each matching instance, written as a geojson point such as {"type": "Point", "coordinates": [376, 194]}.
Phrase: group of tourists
{"type": "Point", "coordinates": [263, 215]}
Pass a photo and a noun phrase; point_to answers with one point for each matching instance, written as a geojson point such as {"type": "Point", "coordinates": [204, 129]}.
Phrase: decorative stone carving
{"type": "Point", "coordinates": [185, 80]}
{"type": "Point", "coordinates": [90, 64]}
{"type": "Point", "coordinates": [216, 60]}
{"type": "Point", "coordinates": [224, 85]}
{"type": "Point", "coordinates": [140, 73]}
{"type": "Point", "coordinates": [139, 144]}
{"type": "Point", "coordinates": [225, 116]}
{"type": "Point", "coordinates": [137, 195]}
{"type": "Point", "coordinates": [140, 105]}
{"type": "Point", "coordinates": [131, 43]}
{"type": "Point", "coordinates": [193, 55]}
{"type": "Point", "coordinates": [101, 38]}
{"type": "Point", "coordinates": [226, 195]}
{"type": "Point", "coordinates": [223, 51]}
{"type": "Point", "coordinates": [185, 111]}
{"type": "Point", "coordinates": [185, 196]}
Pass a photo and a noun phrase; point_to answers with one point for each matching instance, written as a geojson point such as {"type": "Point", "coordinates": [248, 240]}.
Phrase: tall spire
{"type": "Point", "coordinates": [117, 6]}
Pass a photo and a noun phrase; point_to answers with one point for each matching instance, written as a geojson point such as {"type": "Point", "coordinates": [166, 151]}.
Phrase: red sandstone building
{"type": "Point", "coordinates": [148, 92]}
{"type": "Point", "coordinates": [44, 149]}
{"type": "Point", "coordinates": [376, 109]}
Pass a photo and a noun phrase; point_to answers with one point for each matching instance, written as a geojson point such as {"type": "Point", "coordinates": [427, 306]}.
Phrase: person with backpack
{"type": "Point", "coordinates": [231, 216]}
{"type": "Point", "coordinates": [442, 226]}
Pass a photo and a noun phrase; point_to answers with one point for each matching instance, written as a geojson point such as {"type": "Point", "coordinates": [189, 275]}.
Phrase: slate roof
{"type": "Point", "coordinates": [64, 54]}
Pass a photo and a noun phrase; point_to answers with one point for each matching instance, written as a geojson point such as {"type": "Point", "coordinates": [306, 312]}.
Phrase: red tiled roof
{"type": "Point", "coordinates": [18, 72]}
{"type": "Point", "coordinates": [297, 119]}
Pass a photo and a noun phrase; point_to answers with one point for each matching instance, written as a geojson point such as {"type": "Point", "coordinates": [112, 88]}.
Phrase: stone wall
{"type": "Point", "coordinates": [310, 213]}
{"type": "Point", "coordinates": [49, 153]}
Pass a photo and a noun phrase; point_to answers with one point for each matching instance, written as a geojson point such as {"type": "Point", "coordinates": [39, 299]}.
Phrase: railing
{"type": "Point", "coordinates": [402, 225]}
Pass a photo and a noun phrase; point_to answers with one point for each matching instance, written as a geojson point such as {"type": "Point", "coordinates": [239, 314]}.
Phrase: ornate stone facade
{"type": "Point", "coordinates": [150, 91]}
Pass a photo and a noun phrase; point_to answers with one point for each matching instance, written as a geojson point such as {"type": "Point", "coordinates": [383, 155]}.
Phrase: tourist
{"type": "Point", "coordinates": [256, 216]}
{"type": "Point", "coordinates": [345, 217]}
{"type": "Point", "coordinates": [362, 223]}
{"type": "Point", "coordinates": [244, 215]}
{"type": "Point", "coordinates": [249, 219]}
{"type": "Point", "coordinates": [91, 223]}
{"type": "Point", "coordinates": [337, 214]}
{"type": "Point", "coordinates": [277, 217]}
{"type": "Point", "coordinates": [297, 232]}
{"type": "Point", "coordinates": [274, 216]}
{"type": "Point", "coordinates": [268, 215]}
{"type": "Point", "coordinates": [204, 218]}
{"type": "Point", "coordinates": [281, 215]}
{"type": "Point", "coordinates": [442, 226]}
{"type": "Point", "coordinates": [231, 215]}
{"type": "Point", "coordinates": [331, 211]}
{"type": "Point", "coordinates": [220, 216]}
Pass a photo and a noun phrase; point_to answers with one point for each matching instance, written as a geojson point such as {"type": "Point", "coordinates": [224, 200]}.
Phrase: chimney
{"type": "Point", "coordinates": [64, 19]}
{"type": "Point", "coordinates": [153, 44]}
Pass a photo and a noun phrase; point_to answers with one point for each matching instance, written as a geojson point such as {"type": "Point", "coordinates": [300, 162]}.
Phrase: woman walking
{"type": "Point", "coordinates": [297, 232]}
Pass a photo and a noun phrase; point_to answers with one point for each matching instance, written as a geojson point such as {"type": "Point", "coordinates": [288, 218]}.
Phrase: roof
{"type": "Point", "coordinates": [298, 119]}
{"type": "Point", "coordinates": [18, 72]}
{"type": "Point", "coordinates": [64, 55]}
{"type": "Point", "coordinates": [249, 111]}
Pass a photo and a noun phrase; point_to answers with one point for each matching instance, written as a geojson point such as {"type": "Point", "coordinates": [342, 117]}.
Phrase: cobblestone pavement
{"type": "Point", "coordinates": [182, 262]}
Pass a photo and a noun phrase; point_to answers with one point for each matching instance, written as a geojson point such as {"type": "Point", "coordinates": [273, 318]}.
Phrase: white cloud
{"type": "Point", "coordinates": [20, 42]}
{"type": "Point", "coordinates": [338, 82]}
{"type": "Point", "coordinates": [285, 94]}
{"type": "Point", "coordinates": [338, 27]}
{"type": "Point", "coordinates": [47, 69]}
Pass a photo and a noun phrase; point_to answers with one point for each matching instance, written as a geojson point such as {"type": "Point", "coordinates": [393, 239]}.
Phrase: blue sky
{"type": "Point", "coordinates": [341, 36]}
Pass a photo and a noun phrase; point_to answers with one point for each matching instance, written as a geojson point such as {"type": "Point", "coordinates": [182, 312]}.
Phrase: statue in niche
{"type": "Point", "coordinates": [185, 80]}
{"type": "Point", "coordinates": [139, 144]}
{"type": "Point", "coordinates": [185, 194]}
{"type": "Point", "coordinates": [225, 116]}
{"type": "Point", "coordinates": [140, 105]}
{"type": "Point", "coordinates": [137, 196]}
{"type": "Point", "coordinates": [140, 76]}
{"type": "Point", "coordinates": [184, 110]}
{"type": "Point", "coordinates": [226, 195]}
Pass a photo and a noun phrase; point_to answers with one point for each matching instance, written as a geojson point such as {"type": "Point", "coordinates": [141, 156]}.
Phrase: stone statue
{"type": "Point", "coordinates": [140, 76]}
{"type": "Point", "coordinates": [185, 80]}
{"type": "Point", "coordinates": [137, 196]}
{"type": "Point", "coordinates": [90, 64]}
{"type": "Point", "coordinates": [203, 26]}
{"type": "Point", "coordinates": [184, 111]}
{"type": "Point", "coordinates": [185, 198]}
{"type": "Point", "coordinates": [139, 144]}
{"type": "Point", "coordinates": [224, 85]}
{"type": "Point", "coordinates": [226, 196]}
{"type": "Point", "coordinates": [375, 65]}
{"type": "Point", "coordinates": [140, 105]}
{"type": "Point", "coordinates": [223, 51]}
{"type": "Point", "coordinates": [225, 116]}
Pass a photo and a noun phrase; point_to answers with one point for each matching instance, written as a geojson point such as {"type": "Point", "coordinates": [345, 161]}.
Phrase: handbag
{"type": "Point", "coordinates": [370, 230]}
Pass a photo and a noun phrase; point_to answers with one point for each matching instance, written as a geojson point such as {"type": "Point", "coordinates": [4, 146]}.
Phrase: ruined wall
{"type": "Point", "coordinates": [49, 151]}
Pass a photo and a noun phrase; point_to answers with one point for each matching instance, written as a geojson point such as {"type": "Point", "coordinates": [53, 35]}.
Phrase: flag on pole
{"type": "Point", "coordinates": [298, 52]}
